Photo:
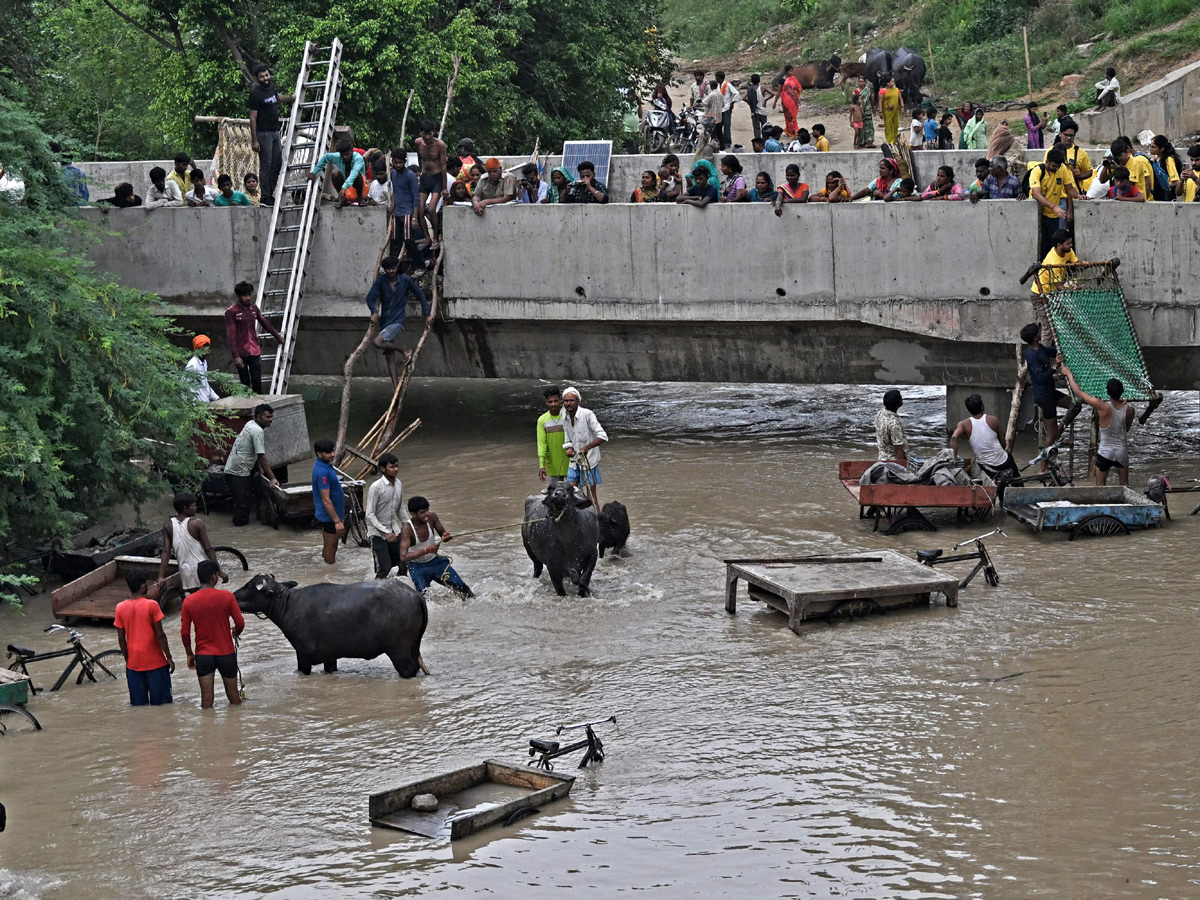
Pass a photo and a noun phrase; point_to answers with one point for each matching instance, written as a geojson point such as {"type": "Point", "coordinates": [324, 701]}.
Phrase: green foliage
{"type": "Point", "coordinates": [92, 410]}
{"type": "Point", "coordinates": [530, 68]}
{"type": "Point", "coordinates": [977, 44]}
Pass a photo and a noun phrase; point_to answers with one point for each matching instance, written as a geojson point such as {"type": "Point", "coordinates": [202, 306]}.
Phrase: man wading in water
{"type": "Point", "coordinates": [1115, 419]}
{"type": "Point", "coordinates": [186, 534]}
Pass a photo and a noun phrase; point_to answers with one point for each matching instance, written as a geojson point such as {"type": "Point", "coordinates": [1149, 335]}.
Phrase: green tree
{"type": "Point", "coordinates": [93, 411]}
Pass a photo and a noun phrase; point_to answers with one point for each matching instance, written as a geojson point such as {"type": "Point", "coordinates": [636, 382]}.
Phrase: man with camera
{"type": "Point", "coordinates": [532, 189]}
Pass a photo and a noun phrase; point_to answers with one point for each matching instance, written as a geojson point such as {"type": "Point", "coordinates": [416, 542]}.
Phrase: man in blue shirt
{"type": "Point", "coordinates": [329, 502]}
{"type": "Point", "coordinates": [772, 144]}
{"type": "Point", "coordinates": [346, 174]}
{"type": "Point", "coordinates": [388, 301]}
{"type": "Point", "coordinates": [405, 193]}
{"type": "Point", "coordinates": [999, 185]}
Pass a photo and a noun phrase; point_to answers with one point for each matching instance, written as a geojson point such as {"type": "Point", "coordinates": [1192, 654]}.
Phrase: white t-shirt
{"type": "Point", "coordinates": [380, 193]}
{"type": "Point", "coordinates": [251, 442]}
{"type": "Point", "coordinates": [1109, 85]}
{"type": "Point", "coordinates": [917, 129]}
{"type": "Point", "coordinates": [732, 96]}
{"type": "Point", "coordinates": [210, 193]}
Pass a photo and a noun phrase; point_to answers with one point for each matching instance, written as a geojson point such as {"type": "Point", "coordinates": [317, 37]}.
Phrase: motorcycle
{"type": "Point", "coordinates": [687, 132]}
{"type": "Point", "coordinates": [656, 127]}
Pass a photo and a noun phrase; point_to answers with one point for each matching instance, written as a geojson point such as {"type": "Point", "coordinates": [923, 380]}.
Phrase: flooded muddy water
{"type": "Point", "coordinates": [888, 757]}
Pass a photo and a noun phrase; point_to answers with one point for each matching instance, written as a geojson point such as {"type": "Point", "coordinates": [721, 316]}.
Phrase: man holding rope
{"type": "Point", "coordinates": [419, 549]}
{"type": "Point", "coordinates": [582, 437]}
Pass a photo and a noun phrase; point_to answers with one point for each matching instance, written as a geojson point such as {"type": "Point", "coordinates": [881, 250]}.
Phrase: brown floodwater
{"type": "Point", "coordinates": [879, 758]}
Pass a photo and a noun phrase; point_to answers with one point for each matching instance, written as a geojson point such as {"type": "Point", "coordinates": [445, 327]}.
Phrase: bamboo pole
{"type": "Point", "coordinates": [404, 119]}
{"type": "Point", "coordinates": [449, 94]}
{"type": "Point", "coordinates": [1014, 412]}
{"type": "Point", "coordinates": [932, 67]}
{"type": "Point", "coordinates": [1028, 68]}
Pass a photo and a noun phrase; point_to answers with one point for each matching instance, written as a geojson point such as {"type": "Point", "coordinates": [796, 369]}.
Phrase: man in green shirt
{"type": "Point", "coordinates": [552, 459]}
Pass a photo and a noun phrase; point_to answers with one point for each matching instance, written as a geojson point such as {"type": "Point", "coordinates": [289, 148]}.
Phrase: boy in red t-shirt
{"type": "Point", "coordinates": [211, 610]}
{"type": "Point", "coordinates": [148, 662]}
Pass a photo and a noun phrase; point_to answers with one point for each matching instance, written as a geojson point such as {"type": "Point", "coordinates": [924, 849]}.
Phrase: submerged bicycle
{"type": "Point", "coordinates": [933, 558]}
{"type": "Point", "coordinates": [92, 666]}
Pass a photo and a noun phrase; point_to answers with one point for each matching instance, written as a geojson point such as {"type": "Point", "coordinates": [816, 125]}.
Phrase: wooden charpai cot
{"type": "Point", "coordinates": [836, 585]}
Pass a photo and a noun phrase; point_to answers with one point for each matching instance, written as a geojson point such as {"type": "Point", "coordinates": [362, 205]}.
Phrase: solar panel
{"type": "Point", "coordinates": [598, 152]}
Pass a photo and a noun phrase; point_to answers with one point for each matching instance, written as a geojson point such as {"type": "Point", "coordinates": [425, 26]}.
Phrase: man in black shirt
{"type": "Point", "coordinates": [586, 189]}
{"type": "Point", "coordinates": [123, 197]}
{"type": "Point", "coordinates": [264, 130]}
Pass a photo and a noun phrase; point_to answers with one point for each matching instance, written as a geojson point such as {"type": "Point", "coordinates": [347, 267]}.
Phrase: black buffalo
{"type": "Point", "coordinates": [326, 622]}
{"type": "Point", "coordinates": [561, 532]}
{"type": "Point", "coordinates": [614, 527]}
{"type": "Point", "coordinates": [908, 68]}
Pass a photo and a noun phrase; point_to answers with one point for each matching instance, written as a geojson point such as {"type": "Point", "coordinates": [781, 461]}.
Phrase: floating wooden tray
{"type": "Point", "coordinates": [469, 799]}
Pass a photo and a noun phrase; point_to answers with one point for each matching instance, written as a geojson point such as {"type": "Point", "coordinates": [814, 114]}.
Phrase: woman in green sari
{"type": "Point", "coordinates": [975, 132]}
{"type": "Point", "coordinates": [867, 138]}
{"type": "Point", "coordinates": [558, 186]}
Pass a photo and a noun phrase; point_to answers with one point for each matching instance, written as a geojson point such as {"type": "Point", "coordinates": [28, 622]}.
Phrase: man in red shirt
{"type": "Point", "coordinates": [242, 337]}
{"type": "Point", "coordinates": [211, 610]}
{"type": "Point", "coordinates": [148, 663]}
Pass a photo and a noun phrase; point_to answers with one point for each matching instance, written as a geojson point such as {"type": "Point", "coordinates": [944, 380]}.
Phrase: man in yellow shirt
{"type": "Point", "coordinates": [1054, 271]}
{"type": "Point", "coordinates": [1052, 185]}
{"type": "Point", "coordinates": [819, 140]}
{"type": "Point", "coordinates": [180, 175]}
{"type": "Point", "coordinates": [1078, 160]}
{"type": "Point", "coordinates": [1141, 173]}
{"type": "Point", "coordinates": [1189, 179]}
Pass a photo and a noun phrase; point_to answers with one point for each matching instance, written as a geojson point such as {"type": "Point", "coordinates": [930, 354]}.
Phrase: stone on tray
{"type": "Point", "coordinates": [425, 803]}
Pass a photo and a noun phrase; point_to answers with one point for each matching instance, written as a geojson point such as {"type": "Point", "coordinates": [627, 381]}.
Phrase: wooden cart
{"type": "Point", "coordinates": [469, 799]}
{"type": "Point", "coordinates": [295, 503]}
{"type": "Point", "coordinates": [96, 594]}
{"type": "Point", "coordinates": [897, 507]}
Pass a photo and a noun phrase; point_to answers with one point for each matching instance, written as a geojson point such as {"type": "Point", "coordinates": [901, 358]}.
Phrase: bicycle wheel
{"type": "Point", "coordinates": [356, 523]}
{"type": "Point", "coordinates": [231, 560]}
{"type": "Point", "coordinates": [15, 719]}
{"type": "Point", "coordinates": [104, 665]}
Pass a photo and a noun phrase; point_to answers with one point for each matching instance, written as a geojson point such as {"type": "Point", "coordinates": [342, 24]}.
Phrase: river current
{"type": "Point", "coordinates": [888, 757]}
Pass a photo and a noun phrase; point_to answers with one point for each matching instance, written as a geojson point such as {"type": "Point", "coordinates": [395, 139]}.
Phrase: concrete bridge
{"type": "Point", "coordinates": [854, 293]}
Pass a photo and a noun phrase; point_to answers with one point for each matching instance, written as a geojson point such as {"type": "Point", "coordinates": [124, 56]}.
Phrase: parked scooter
{"type": "Point", "coordinates": [656, 127]}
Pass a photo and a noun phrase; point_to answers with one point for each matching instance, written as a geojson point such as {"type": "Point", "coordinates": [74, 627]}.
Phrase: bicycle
{"type": "Point", "coordinates": [548, 750]}
{"type": "Point", "coordinates": [15, 719]}
{"type": "Point", "coordinates": [1054, 476]}
{"type": "Point", "coordinates": [108, 662]}
{"type": "Point", "coordinates": [933, 558]}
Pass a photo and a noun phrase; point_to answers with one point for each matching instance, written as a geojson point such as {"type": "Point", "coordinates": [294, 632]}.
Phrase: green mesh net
{"type": "Point", "coordinates": [1092, 329]}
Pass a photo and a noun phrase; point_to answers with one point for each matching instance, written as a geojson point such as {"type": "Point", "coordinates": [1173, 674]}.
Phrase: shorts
{"type": "Point", "coordinates": [432, 183]}
{"type": "Point", "coordinates": [387, 556]}
{"type": "Point", "coordinates": [1050, 403]}
{"type": "Point", "coordinates": [391, 332]}
{"type": "Point", "coordinates": [226, 665]}
{"type": "Point", "coordinates": [152, 688]}
{"type": "Point", "coordinates": [1103, 463]}
{"type": "Point", "coordinates": [328, 527]}
{"type": "Point", "coordinates": [590, 476]}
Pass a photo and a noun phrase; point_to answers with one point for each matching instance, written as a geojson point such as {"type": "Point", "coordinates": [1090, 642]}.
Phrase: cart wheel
{"type": "Point", "coordinates": [1098, 524]}
{"type": "Point", "coordinates": [172, 598]}
{"type": "Point", "coordinates": [268, 512]}
{"type": "Point", "coordinates": [848, 609]}
{"type": "Point", "coordinates": [15, 719]}
{"type": "Point", "coordinates": [910, 522]}
{"type": "Point", "coordinates": [230, 559]}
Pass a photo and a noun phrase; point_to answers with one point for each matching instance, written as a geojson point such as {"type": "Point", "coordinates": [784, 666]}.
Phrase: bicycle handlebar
{"type": "Point", "coordinates": [976, 540]}
{"type": "Point", "coordinates": [75, 636]}
{"type": "Point", "coordinates": [562, 728]}
{"type": "Point", "coordinates": [1046, 453]}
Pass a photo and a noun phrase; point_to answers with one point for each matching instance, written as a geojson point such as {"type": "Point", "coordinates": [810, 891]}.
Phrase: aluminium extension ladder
{"type": "Point", "coordinates": [297, 201]}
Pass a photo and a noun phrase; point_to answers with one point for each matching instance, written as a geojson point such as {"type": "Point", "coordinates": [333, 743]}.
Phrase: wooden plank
{"type": "Point", "coordinates": [927, 495]}
{"type": "Point", "coordinates": [534, 779]}
{"type": "Point", "coordinates": [80, 588]}
{"type": "Point", "coordinates": [385, 802]}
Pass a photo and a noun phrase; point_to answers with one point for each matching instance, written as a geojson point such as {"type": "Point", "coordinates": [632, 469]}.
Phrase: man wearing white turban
{"type": "Point", "coordinates": [582, 437]}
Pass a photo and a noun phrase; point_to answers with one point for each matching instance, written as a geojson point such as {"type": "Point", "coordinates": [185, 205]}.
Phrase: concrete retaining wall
{"type": "Point", "coordinates": [104, 176]}
{"type": "Point", "coordinates": [1169, 106]}
{"type": "Point", "coordinates": [923, 293]}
